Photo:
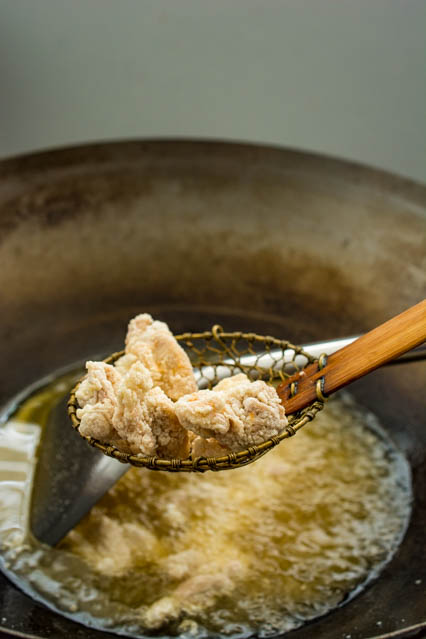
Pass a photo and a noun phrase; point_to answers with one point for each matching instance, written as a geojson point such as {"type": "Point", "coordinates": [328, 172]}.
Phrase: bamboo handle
{"type": "Point", "coordinates": [382, 344]}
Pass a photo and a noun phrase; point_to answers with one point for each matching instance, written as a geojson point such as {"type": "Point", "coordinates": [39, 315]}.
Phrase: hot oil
{"type": "Point", "coordinates": [259, 549]}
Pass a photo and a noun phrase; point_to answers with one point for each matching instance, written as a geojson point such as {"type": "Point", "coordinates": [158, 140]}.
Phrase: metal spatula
{"type": "Point", "coordinates": [71, 477]}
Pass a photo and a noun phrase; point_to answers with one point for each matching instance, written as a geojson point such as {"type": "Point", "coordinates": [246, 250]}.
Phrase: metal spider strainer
{"type": "Point", "coordinates": [304, 383]}
{"type": "Point", "coordinates": [214, 355]}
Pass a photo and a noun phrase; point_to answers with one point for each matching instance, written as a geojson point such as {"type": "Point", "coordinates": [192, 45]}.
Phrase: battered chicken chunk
{"type": "Point", "coordinates": [145, 416]}
{"type": "Point", "coordinates": [125, 409]}
{"type": "Point", "coordinates": [152, 343]}
{"type": "Point", "coordinates": [129, 405]}
{"type": "Point", "coordinates": [237, 412]}
{"type": "Point", "coordinates": [97, 397]}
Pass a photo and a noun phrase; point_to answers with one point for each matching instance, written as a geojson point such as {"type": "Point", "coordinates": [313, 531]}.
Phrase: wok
{"type": "Point", "coordinates": [265, 239]}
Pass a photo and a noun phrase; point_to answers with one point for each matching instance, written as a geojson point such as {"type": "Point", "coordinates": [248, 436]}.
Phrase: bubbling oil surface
{"type": "Point", "coordinates": [261, 549]}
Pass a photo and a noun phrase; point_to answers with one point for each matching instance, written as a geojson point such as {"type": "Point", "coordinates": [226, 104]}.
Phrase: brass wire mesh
{"type": "Point", "coordinates": [216, 354]}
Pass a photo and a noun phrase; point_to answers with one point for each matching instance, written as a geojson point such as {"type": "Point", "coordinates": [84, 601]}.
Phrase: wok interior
{"type": "Point", "coordinates": [255, 239]}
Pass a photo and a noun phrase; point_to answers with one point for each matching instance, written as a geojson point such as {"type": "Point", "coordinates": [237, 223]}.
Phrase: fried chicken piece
{"type": "Point", "coordinates": [119, 547]}
{"type": "Point", "coordinates": [172, 440]}
{"type": "Point", "coordinates": [196, 593]}
{"type": "Point", "coordinates": [152, 343]}
{"type": "Point", "coordinates": [237, 412]}
{"type": "Point", "coordinates": [130, 404]}
{"type": "Point", "coordinates": [97, 398]}
{"type": "Point", "coordinates": [145, 417]}
{"type": "Point", "coordinates": [126, 410]}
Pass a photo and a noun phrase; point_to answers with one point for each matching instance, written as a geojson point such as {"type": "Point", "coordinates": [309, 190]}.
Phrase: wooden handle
{"type": "Point", "coordinates": [382, 344]}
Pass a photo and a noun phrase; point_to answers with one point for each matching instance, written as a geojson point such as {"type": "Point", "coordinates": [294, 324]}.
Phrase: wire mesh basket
{"type": "Point", "coordinates": [215, 355]}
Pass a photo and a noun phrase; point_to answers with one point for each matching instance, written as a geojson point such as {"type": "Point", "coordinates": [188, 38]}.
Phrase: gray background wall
{"type": "Point", "coordinates": [344, 77]}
